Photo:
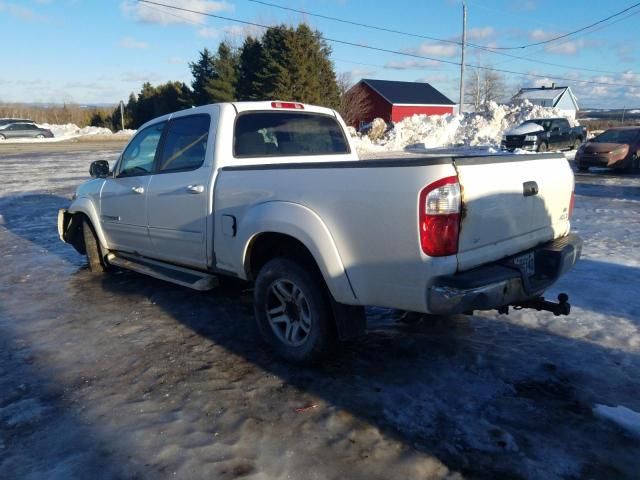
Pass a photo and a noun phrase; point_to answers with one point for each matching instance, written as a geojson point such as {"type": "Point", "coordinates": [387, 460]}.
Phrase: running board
{"type": "Point", "coordinates": [164, 271]}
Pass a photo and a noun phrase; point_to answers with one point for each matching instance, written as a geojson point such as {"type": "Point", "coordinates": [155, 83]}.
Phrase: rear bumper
{"type": "Point", "coordinates": [504, 283]}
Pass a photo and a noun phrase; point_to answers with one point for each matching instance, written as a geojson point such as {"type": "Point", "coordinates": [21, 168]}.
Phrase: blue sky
{"type": "Point", "coordinates": [98, 51]}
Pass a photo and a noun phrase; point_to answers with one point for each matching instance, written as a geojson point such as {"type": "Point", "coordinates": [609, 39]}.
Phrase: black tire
{"type": "Point", "coordinates": [542, 148]}
{"type": "Point", "coordinates": [2, 137]}
{"type": "Point", "coordinates": [95, 259]}
{"type": "Point", "coordinates": [288, 299]}
{"type": "Point", "coordinates": [39, 136]}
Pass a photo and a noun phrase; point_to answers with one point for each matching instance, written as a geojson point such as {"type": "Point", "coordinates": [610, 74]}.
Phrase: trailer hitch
{"type": "Point", "coordinates": [563, 307]}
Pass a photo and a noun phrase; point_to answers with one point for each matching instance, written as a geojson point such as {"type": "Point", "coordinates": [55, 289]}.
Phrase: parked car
{"type": "Point", "coordinates": [6, 121]}
{"type": "Point", "coordinates": [614, 148]}
{"type": "Point", "coordinates": [24, 130]}
{"type": "Point", "coordinates": [274, 193]}
{"type": "Point", "coordinates": [544, 134]}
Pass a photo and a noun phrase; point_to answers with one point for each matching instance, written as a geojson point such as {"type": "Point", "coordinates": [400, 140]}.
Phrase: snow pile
{"type": "Point", "coordinates": [69, 130]}
{"type": "Point", "coordinates": [622, 416]}
{"type": "Point", "coordinates": [483, 128]}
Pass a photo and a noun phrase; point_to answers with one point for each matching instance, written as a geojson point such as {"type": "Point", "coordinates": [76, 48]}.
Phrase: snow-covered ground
{"type": "Point", "coordinates": [479, 129]}
{"type": "Point", "coordinates": [67, 131]}
{"type": "Point", "coordinates": [123, 376]}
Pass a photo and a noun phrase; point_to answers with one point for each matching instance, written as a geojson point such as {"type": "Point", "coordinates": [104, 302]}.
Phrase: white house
{"type": "Point", "coordinates": [559, 97]}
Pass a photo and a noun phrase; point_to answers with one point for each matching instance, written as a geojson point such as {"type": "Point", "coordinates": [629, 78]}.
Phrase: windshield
{"type": "Point", "coordinates": [616, 136]}
{"type": "Point", "coordinates": [546, 124]}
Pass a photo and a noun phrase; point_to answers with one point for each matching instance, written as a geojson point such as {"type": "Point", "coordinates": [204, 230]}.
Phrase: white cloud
{"type": "Point", "coordinates": [566, 48]}
{"type": "Point", "coordinates": [208, 32]}
{"type": "Point", "coordinates": [18, 11]}
{"type": "Point", "coordinates": [438, 49]}
{"type": "Point", "coordinates": [147, 13]}
{"type": "Point", "coordinates": [412, 64]}
{"type": "Point", "coordinates": [176, 61]}
{"type": "Point", "coordinates": [481, 33]}
{"type": "Point", "coordinates": [132, 43]}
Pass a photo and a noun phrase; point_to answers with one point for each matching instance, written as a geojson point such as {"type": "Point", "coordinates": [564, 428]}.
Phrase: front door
{"type": "Point", "coordinates": [180, 192]}
{"type": "Point", "coordinates": [123, 199]}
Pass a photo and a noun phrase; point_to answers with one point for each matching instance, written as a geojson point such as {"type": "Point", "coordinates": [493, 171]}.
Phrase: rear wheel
{"type": "Point", "coordinates": [97, 263]}
{"type": "Point", "coordinates": [542, 147]}
{"type": "Point", "coordinates": [2, 137]}
{"type": "Point", "coordinates": [40, 135]}
{"type": "Point", "coordinates": [293, 312]}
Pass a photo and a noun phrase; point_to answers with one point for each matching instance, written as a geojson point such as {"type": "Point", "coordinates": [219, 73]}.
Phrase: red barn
{"type": "Point", "coordinates": [392, 101]}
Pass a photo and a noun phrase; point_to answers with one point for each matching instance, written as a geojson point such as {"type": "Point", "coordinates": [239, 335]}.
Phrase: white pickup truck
{"type": "Point", "coordinates": [274, 193]}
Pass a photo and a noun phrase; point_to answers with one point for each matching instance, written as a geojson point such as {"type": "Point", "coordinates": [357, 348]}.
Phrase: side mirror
{"type": "Point", "coordinates": [99, 169]}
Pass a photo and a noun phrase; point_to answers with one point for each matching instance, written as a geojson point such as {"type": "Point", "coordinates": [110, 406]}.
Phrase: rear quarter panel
{"type": "Point", "coordinates": [370, 214]}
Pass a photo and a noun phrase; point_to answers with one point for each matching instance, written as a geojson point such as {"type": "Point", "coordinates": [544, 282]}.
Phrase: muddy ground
{"type": "Point", "coordinates": [123, 376]}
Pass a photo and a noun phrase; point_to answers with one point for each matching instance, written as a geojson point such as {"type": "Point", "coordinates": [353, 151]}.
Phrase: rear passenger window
{"type": "Point", "coordinates": [185, 143]}
{"type": "Point", "coordinates": [274, 134]}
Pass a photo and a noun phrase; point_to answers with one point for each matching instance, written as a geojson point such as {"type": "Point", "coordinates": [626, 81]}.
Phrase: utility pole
{"type": "Point", "coordinates": [464, 41]}
{"type": "Point", "coordinates": [624, 109]}
{"type": "Point", "coordinates": [122, 113]}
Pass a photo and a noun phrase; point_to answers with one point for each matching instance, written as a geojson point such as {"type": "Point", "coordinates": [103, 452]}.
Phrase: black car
{"type": "Point", "coordinates": [24, 130]}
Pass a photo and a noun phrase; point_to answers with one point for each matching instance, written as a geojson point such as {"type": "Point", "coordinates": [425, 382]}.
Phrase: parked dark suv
{"type": "Point", "coordinates": [24, 130]}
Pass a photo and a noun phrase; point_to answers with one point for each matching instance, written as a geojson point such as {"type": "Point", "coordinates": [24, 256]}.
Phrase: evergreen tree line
{"type": "Point", "coordinates": [286, 63]}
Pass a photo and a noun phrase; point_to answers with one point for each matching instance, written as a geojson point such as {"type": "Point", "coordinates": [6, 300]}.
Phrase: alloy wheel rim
{"type": "Point", "coordinates": [288, 312]}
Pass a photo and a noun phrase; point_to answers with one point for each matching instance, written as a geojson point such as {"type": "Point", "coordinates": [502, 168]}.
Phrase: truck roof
{"type": "Point", "coordinates": [275, 105]}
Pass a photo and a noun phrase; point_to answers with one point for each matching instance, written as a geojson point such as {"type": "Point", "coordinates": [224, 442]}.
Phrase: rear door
{"type": "Point", "coordinates": [123, 199]}
{"type": "Point", "coordinates": [511, 203]}
{"type": "Point", "coordinates": [180, 192]}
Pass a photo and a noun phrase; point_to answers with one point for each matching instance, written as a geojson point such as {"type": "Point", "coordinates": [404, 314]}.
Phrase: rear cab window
{"type": "Point", "coordinates": [282, 134]}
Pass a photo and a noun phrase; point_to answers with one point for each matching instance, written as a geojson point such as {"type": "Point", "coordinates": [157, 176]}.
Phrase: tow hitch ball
{"type": "Point", "coordinates": [563, 307]}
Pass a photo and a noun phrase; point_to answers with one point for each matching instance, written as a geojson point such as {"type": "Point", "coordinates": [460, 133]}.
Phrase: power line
{"type": "Point", "coordinates": [549, 40]}
{"type": "Point", "coordinates": [487, 49]}
{"type": "Point", "coordinates": [395, 52]}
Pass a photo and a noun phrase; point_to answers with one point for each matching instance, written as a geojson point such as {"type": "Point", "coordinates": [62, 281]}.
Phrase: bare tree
{"type": "Point", "coordinates": [484, 86]}
{"type": "Point", "coordinates": [355, 104]}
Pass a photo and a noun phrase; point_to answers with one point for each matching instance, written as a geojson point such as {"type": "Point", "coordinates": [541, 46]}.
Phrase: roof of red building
{"type": "Point", "coordinates": [414, 93]}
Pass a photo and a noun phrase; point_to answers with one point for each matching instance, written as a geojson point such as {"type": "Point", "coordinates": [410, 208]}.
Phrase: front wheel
{"type": "Point", "coordinates": [293, 312]}
{"type": "Point", "coordinates": [2, 137]}
{"type": "Point", "coordinates": [95, 259]}
{"type": "Point", "coordinates": [39, 136]}
{"type": "Point", "coordinates": [542, 147]}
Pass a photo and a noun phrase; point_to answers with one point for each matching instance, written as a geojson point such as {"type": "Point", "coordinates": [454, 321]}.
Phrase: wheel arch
{"type": "Point", "coordinates": [85, 207]}
{"type": "Point", "coordinates": [270, 227]}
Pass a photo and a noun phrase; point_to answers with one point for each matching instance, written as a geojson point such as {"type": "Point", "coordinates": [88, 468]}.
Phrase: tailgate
{"type": "Point", "coordinates": [511, 203]}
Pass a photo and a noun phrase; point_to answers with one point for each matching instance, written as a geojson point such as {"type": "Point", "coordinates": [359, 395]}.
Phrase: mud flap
{"type": "Point", "coordinates": [350, 320]}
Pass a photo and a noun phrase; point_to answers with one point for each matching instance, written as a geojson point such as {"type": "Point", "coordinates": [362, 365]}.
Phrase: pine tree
{"type": "Point", "coordinates": [203, 71]}
{"type": "Point", "coordinates": [297, 66]}
{"type": "Point", "coordinates": [222, 86]}
{"type": "Point", "coordinates": [251, 63]}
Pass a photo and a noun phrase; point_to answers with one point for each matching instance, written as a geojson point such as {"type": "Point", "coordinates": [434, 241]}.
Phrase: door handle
{"type": "Point", "coordinates": [139, 190]}
{"type": "Point", "coordinates": [195, 188]}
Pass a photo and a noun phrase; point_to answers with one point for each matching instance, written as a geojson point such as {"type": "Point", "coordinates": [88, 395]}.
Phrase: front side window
{"type": "Point", "coordinates": [185, 143]}
{"type": "Point", "coordinates": [274, 134]}
{"type": "Point", "coordinates": [139, 155]}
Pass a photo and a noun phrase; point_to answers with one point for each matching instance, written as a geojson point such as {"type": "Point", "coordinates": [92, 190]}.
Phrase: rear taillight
{"type": "Point", "coordinates": [439, 217]}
